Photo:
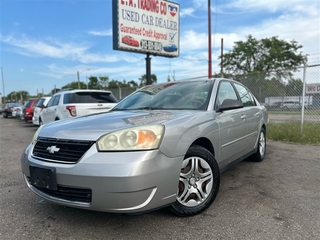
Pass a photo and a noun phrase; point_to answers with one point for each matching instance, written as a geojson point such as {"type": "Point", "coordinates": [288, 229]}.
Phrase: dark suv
{"type": "Point", "coordinates": [29, 108]}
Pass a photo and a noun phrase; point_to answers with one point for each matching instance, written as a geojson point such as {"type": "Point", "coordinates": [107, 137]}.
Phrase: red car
{"type": "Point", "coordinates": [29, 108]}
{"type": "Point", "coordinates": [130, 41]}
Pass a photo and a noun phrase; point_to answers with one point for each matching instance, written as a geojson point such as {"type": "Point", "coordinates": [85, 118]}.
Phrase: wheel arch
{"type": "Point", "coordinates": [206, 143]}
{"type": "Point", "coordinates": [264, 126]}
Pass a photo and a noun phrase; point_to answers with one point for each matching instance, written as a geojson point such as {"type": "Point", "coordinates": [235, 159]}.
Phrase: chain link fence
{"type": "Point", "coordinates": [294, 100]}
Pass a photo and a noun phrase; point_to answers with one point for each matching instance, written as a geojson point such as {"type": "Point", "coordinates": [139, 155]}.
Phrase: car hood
{"type": "Point", "coordinates": [92, 127]}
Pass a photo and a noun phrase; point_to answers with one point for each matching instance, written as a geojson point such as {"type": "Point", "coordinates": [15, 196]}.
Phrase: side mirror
{"type": "Point", "coordinates": [229, 104]}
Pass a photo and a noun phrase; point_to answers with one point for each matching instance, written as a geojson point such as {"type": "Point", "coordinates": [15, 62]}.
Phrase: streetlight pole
{"type": "Point", "coordinates": [78, 76]}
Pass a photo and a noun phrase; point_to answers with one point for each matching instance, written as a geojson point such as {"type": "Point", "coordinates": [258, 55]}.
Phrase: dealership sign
{"type": "Point", "coordinates": [313, 88]}
{"type": "Point", "coordinates": [146, 26]}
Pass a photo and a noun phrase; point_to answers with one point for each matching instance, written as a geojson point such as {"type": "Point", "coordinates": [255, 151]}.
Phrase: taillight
{"type": "Point", "coordinates": [72, 110]}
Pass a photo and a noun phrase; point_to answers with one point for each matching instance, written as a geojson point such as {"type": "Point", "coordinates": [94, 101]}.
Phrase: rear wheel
{"type": "Point", "coordinates": [198, 183]}
{"type": "Point", "coordinates": [261, 147]}
{"type": "Point", "coordinates": [40, 122]}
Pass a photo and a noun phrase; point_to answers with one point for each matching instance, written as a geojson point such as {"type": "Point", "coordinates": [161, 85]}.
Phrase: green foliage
{"type": "Point", "coordinates": [103, 82]}
{"type": "Point", "coordinates": [74, 85]}
{"type": "Point", "coordinates": [18, 96]}
{"type": "Point", "coordinates": [291, 132]}
{"type": "Point", "coordinates": [294, 87]}
{"type": "Point", "coordinates": [143, 79]}
{"type": "Point", "coordinates": [92, 82]}
{"type": "Point", "coordinates": [268, 56]}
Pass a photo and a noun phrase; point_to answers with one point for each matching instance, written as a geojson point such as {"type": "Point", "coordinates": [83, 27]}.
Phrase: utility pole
{"type": "Point", "coordinates": [209, 42]}
{"type": "Point", "coordinates": [221, 71]}
{"type": "Point", "coordinates": [4, 95]}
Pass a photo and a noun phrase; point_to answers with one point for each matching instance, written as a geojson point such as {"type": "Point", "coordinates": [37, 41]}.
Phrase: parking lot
{"type": "Point", "coordinates": [276, 199]}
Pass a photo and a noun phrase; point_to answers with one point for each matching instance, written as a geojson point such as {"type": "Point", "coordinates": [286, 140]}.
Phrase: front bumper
{"type": "Point", "coordinates": [121, 182]}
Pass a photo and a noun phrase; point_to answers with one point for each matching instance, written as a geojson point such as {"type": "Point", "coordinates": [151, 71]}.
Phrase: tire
{"type": "Point", "coordinates": [40, 122]}
{"type": "Point", "coordinates": [261, 147]}
{"type": "Point", "coordinates": [199, 182]}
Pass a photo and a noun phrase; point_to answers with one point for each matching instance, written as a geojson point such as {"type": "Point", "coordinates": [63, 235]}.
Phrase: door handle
{"type": "Point", "coordinates": [243, 117]}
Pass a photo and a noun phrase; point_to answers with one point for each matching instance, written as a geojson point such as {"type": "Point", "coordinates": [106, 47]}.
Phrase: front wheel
{"type": "Point", "coordinates": [198, 183]}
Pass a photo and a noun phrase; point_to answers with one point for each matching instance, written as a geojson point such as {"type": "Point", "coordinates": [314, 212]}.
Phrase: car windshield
{"type": "Point", "coordinates": [192, 95]}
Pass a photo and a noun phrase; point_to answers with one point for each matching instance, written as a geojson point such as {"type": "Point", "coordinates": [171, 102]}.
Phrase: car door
{"type": "Point", "coordinates": [49, 113]}
{"type": "Point", "coordinates": [252, 114]}
{"type": "Point", "coordinates": [231, 126]}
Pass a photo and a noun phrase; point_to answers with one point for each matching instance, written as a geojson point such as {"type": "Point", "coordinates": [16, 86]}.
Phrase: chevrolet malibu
{"type": "Point", "coordinates": [164, 145]}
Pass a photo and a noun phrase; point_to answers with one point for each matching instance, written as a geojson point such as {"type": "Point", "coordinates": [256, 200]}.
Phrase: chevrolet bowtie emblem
{"type": "Point", "coordinates": [53, 149]}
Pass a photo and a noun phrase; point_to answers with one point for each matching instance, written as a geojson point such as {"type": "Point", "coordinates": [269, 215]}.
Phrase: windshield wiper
{"type": "Point", "coordinates": [149, 108]}
{"type": "Point", "coordinates": [118, 109]}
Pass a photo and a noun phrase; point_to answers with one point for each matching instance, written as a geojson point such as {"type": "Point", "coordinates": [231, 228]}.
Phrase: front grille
{"type": "Point", "coordinates": [62, 150]}
{"type": "Point", "coordinates": [69, 194]}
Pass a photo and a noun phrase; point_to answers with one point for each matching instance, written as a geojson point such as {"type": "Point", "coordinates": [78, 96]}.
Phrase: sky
{"type": "Point", "coordinates": [44, 43]}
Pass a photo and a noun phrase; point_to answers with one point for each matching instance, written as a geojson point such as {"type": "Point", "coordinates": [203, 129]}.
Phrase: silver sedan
{"type": "Point", "coordinates": [164, 145]}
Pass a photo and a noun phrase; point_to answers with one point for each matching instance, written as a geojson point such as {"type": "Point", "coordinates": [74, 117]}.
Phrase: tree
{"type": "Point", "coordinates": [74, 85]}
{"type": "Point", "coordinates": [294, 87]}
{"type": "Point", "coordinates": [268, 56]}
{"type": "Point", "coordinates": [132, 83]}
{"type": "Point", "coordinates": [53, 91]}
{"type": "Point", "coordinates": [143, 79]}
{"type": "Point", "coordinates": [104, 81]}
{"type": "Point", "coordinates": [114, 84]}
{"type": "Point", "coordinates": [18, 96]}
{"type": "Point", "coordinates": [93, 83]}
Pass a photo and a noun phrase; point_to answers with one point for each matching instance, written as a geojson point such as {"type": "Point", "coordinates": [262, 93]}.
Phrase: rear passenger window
{"type": "Point", "coordinates": [245, 96]}
{"type": "Point", "coordinates": [40, 102]}
{"type": "Point", "coordinates": [56, 100]}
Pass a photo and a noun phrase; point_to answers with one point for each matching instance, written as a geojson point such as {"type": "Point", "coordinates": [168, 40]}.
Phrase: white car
{"type": "Point", "coordinates": [75, 103]}
{"type": "Point", "coordinates": [42, 103]}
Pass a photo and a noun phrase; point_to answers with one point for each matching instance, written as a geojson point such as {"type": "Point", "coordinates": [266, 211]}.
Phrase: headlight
{"type": "Point", "coordinates": [35, 136]}
{"type": "Point", "coordinates": [136, 138]}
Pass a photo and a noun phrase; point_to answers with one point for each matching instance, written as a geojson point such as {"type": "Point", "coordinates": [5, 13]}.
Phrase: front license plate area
{"type": "Point", "coordinates": [43, 177]}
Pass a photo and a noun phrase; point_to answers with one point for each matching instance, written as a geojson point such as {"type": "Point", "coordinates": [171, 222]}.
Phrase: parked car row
{"type": "Point", "coordinates": [62, 105]}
